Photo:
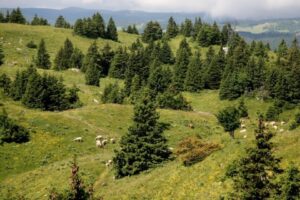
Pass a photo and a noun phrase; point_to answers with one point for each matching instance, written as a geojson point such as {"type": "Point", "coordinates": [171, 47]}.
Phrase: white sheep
{"type": "Point", "coordinates": [108, 163]}
{"type": "Point", "coordinates": [78, 139]}
{"type": "Point", "coordinates": [281, 130]}
{"type": "Point", "coordinates": [272, 123]}
{"type": "Point", "coordinates": [99, 137]}
{"type": "Point", "coordinates": [104, 142]}
{"type": "Point", "coordinates": [282, 123]}
{"type": "Point", "coordinates": [243, 131]}
{"type": "Point", "coordinates": [243, 126]}
{"type": "Point", "coordinates": [99, 144]}
{"type": "Point", "coordinates": [275, 127]}
{"type": "Point", "coordinates": [112, 140]}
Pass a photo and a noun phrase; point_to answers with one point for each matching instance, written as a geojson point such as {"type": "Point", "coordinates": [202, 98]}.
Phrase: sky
{"type": "Point", "coordinates": [241, 9]}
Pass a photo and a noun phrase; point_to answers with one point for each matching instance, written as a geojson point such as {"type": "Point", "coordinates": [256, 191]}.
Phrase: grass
{"type": "Point", "coordinates": [33, 168]}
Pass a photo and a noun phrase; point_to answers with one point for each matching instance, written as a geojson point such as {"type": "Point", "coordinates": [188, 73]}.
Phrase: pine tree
{"type": "Point", "coordinates": [111, 32]}
{"type": "Point", "coordinates": [159, 79]}
{"type": "Point", "coordinates": [194, 80]}
{"type": "Point", "coordinates": [98, 20]}
{"type": "Point", "coordinates": [34, 91]}
{"type": "Point", "coordinates": [119, 64]}
{"type": "Point", "coordinates": [166, 55]}
{"type": "Point", "coordinates": [63, 58]}
{"type": "Point", "coordinates": [197, 27]}
{"type": "Point", "coordinates": [92, 74]}
{"type": "Point", "coordinates": [106, 57]}
{"type": "Point", "coordinates": [181, 65]}
{"type": "Point", "coordinates": [16, 16]}
{"type": "Point", "coordinates": [144, 146]}
{"type": "Point", "coordinates": [92, 55]}
{"type": "Point", "coordinates": [290, 184]}
{"type": "Point", "coordinates": [152, 32]}
{"type": "Point", "coordinates": [61, 22]}
{"type": "Point", "coordinates": [172, 28]}
{"type": "Point", "coordinates": [282, 49]}
{"type": "Point", "coordinates": [1, 55]}
{"type": "Point", "coordinates": [5, 83]}
{"type": "Point", "coordinates": [229, 118]}
{"type": "Point", "coordinates": [187, 28]}
{"type": "Point", "coordinates": [254, 173]}
{"type": "Point", "coordinates": [43, 58]}
{"type": "Point", "coordinates": [242, 109]}
{"type": "Point", "coordinates": [76, 60]}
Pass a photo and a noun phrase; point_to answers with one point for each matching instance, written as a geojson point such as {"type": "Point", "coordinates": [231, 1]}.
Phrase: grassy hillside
{"type": "Point", "coordinates": [33, 168]}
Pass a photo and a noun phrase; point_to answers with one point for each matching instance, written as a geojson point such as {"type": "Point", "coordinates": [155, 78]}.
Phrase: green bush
{"type": "Point", "coordinates": [112, 94]}
{"type": "Point", "coordinates": [296, 122]}
{"type": "Point", "coordinates": [10, 131]}
{"type": "Point", "coordinates": [31, 45]}
{"type": "Point", "coordinates": [169, 100]}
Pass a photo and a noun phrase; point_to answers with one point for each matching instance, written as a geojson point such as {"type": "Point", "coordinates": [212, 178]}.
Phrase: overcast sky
{"type": "Point", "coordinates": [217, 8]}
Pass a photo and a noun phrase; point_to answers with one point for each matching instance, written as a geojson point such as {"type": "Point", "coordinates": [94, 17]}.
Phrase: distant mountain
{"type": "Point", "coordinates": [122, 18]}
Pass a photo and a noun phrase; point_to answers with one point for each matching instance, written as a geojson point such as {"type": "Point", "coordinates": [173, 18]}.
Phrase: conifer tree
{"type": "Point", "coordinates": [111, 32]}
{"type": "Point", "coordinates": [92, 74]}
{"type": "Point", "coordinates": [5, 83]}
{"type": "Point", "coordinates": [119, 64]}
{"type": "Point", "coordinates": [92, 56]}
{"type": "Point", "coordinates": [106, 57]}
{"type": "Point", "coordinates": [63, 58]}
{"type": "Point", "coordinates": [135, 89]}
{"type": "Point", "coordinates": [187, 28]}
{"type": "Point", "coordinates": [152, 32]}
{"type": "Point", "coordinates": [242, 109]}
{"type": "Point", "coordinates": [61, 22]}
{"type": "Point", "coordinates": [290, 184]}
{"type": "Point", "coordinates": [34, 91]}
{"type": "Point", "coordinates": [229, 118]}
{"type": "Point", "coordinates": [282, 49]}
{"type": "Point", "coordinates": [166, 55]}
{"type": "Point", "coordinates": [98, 20]}
{"type": "Point", "coordinates": [144, 146]}
{"type": "Point", "coordinates": [197, 27]}
{"type": "Point", "coordinates": [1, 55]}
{"type": "Point", "coordinates": [172, 28]}
{"type": "Point", "coordinates": [42, 58]}
{"type": "Point", "coordinates": [254, 173]}
{"type": "Point", "coordinates": [76, 60]}
{"type": "Point", "coordinates": [181, 65]}
{"type": "Point", "coordinates": [16, 16]}
{"type": "Point", "coordinates": [194, 80]}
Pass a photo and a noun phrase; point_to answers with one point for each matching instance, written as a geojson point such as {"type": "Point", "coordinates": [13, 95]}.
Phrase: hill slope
{"type": "Point", "coordinates": [35, 167]}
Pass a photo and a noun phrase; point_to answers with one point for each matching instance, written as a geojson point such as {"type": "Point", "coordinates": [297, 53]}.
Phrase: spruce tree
{"type": "Point", "coordinates": [61, 22]}
{"type": "Point", "coordinates": [254, 173]}
{"type": "Point", "coordinates": [111, 32]}
{"type": "Point", "coordinates": [16, 16]}
{"type": "Point", "coordinates": [152, 32]}
{"type": "Point", "coordinates": [144, 146]}
{"type": "Point", "coordinates": [63, 58]}
{"type": "Point", "coordinates": [194, 80]}
{"type": "Point", "coordinates": [172, 28]}
{"type": "Point", "coordinates": [290, 184]}
{"type": "Point", "coordinates": [119, 64]}
{"type": "Point", "coordinates": [166, 55]}
{"type": "Point", "coordinates": [181, 65]}
{"type": "Point", "coordinates": [34, 92]}
{"type": "Point", "coordinates": [5, 83]}
{"type": "Point", "coordinates": [98, 21]}
{"type": "Point", "coordinates": [187, 28]}
{"type": "Point", "coordinates": [159, 79]}
{"type": "Point", "coordinates": [1, 55]}
{"type": "Point", "coordinates": [106, 57]}
{"type": "Point", "coordinates": [76, 60]}
{"type": "Point", "coordinates": [92, 56]}
{"type": "Point", "coordinates": [229, 118]}
{"type": "Point", "coordinates": [242, 109]}
{"type": "Point", "coordinates": [42, 59]}
{"type": "Point", "coordinates": [92, 74]}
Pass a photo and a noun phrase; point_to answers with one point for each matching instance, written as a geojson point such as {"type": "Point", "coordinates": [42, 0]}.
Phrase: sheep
{"type": "Point", "coordinates": [282, 123]}
{"type": "Point", "coordinates": [266, 124]}
{"type": "Point", "coordinates": [112, 140]}
{"type": "Point", "coordinates": [104, 142]}
{"type": "Point", "coordinates": [99, 137]}
{"type": "Point", "coordinates": [275, 127]}
{"type": "Point", "coordinates": [243, 131]}
{"type": "Point", "coordinates": [281, 130]}
{"type": "Point", "coordinates": [78, 139]}
{"type": "Point", "coordinates": [99, 144]}
{"type": "Point", "coordinates": [108, 163]}
{"type": "Point", "coordinates": [245, 136]}
{"type": "Point", "coordinates": [243, 126]}
{"type": "Point", "coordinates": [96, 101]}
{"type": "Point", "coordinates": [272, 123]}
{"type": "Point", "coordinates": [191, 125]}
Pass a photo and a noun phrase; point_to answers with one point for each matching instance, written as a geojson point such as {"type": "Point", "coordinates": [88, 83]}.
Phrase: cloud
{"type": "Point", "coordinates": [217, 8]}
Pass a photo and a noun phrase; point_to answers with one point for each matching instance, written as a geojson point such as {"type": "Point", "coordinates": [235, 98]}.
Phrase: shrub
{"type": "Point", "coordinates": [296, 122]}
{"type": "Point", "coordinates": [31, 45]}
{"type": "Point", "coordinates": [273, 113]}
{"type": "Point", "coordinates": [10, 131]}
{"type": "Point", "coordinates": [192, 150]}
{"type": "Point", "coordinates": [112, 94]}
{"type": "Point", "coordinates": [171, 101]}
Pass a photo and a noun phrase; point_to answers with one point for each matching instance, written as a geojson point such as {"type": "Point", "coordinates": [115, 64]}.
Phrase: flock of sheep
{"type": "Point", "coordinates": [100, 143]}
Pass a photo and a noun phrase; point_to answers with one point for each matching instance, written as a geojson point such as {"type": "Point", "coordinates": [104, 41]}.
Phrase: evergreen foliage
{"type": "Point", "coordinates": [10, 131]}
{"type": "Point", "coordinates": [229, 118]}
{"type": "Point", "coordinates": [171, 100]}
{"type": "Point", "coordinates": [144, 146]}
{"type": "Point", "coordinates": [111, 32]}
{"type": "Point", "coordinates": [159, 80]}
{"type": "Point", "coordinates": [31, 45]}
{"type": "Point", "coordinates": [16, 16]}
{"type": "Point", "coordinates": [187, 28]}
{"type": "Point", "coordinates": [5, 83]}
{"type": "Point", "coordinates": [61, 22]}
{"type": "Point", "coordinates": [119, 64]}
{"type": "Point", "coordinates": [165, 54]}
{"type": "Point", "coordinates": [92, 57]}
{"type": "Point", "coordinates": [172, 28]}
{"type": "Point", "coordinates": [63, 58]}
{"type": "Point", "coordinates": [39, 21]}
{"type": "Point", "coordinates": [255, 173]}
{"type": "Point", "coordinates": [194, 77]}
{"type": "Point", "coordinates": [290, 184]}
{"type": "Point", "coordinates": [243, 109]}
{"type": "Point", "coordinates": [106, 57]}
{"type": "Point", "coordinates": [1, 55]}
{"type": "Point", "coordinates": [76, 60]}
{"type": "Point", "coordinates": [132, 29]}
{"type": "Point", "coordinates": [92, 74]}
{"type": "Point", "coordinates": [152, 32]}
{"type": "Point", "coordinates": [112, 94]}
{"type": "Point", "coordinates": [42, 59]}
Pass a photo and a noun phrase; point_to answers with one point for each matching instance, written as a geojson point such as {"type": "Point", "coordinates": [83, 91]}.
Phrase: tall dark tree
{"type": "Point", "coordinates": [181, 65]}
{"type": "Point", "coordinates": [98, 20]}
{"type": "Point", "coordinates": [197, 27]}
{"type": "Point", "coordinates": [172, 28]}
{"type": "Point", "coordinates": [1, 55]}
{"type": "Point", "coordinates": [16, 16]}
{"type": "Point", "coordinates": [61, 22]}
{"type": "Point", "coordinates": [76, 60]}
{"type": "Point", "coordinates": [254, 174]}
{"type": "Point", "coordinates": [166, 54]}
{"type": "Point", "coordinates": [111, 32]}
{"type": "Point", "coordinates": [229, 118]}
{"type": "Point", "coordinates": [42, 59]}
{"type": "Point", "coordinates": [92, 55]}
{"type": "Point", "coordinates": [144, 146]}
{"type": "Point", "coordinates": [92, 74]}
{"type": "Point", "coordinates": [194, 77]}
{"type": "Point", "coordinates": [290, 184]}
{"type": "Point", "coordinates": [187, 28]}
{"type": "Point", "coordinates": [106, 57]}
{"type": "Point", "coordinates": [152, 32]}
{"type": "Point", "coordinates": [39, 21]}
{"type": "Point", "coordinates": [63, 58]}
{"type": "Point", "coordinates": [119, 64]}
